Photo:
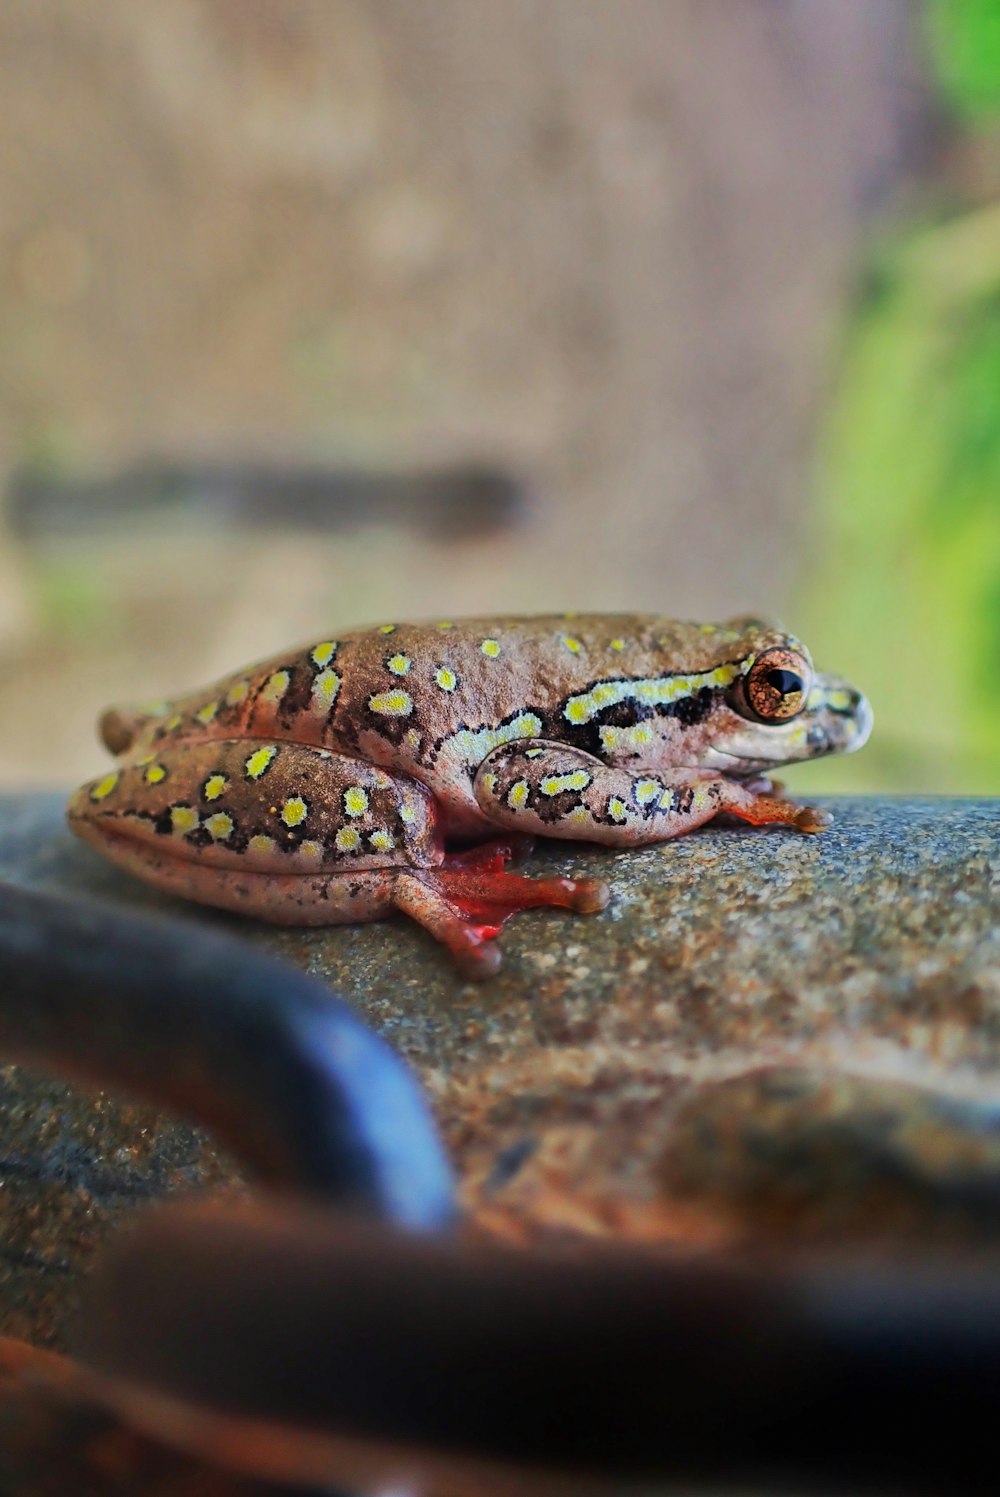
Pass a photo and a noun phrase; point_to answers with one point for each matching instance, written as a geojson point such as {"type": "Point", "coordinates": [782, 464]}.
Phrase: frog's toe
{"type": "Point", "coordinates": [476, 956]}
{"type": "Point", "coordinates": [812, 819]}
{"type": "Point", "coordinates": [587, 896]}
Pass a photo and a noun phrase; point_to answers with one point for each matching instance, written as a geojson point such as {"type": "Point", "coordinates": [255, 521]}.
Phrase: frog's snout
{"type": "Point", "coordinates": [843, 716]}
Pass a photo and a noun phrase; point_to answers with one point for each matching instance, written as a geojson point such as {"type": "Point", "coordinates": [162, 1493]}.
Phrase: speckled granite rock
{"type": "Point", "coordinates": [816, 1155]}
{"type": "Point", "coordinates": [590, 1087]}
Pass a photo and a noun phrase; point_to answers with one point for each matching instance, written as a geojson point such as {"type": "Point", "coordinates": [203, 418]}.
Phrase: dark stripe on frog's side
{"type": "Point", "coordinates": [689, 711]}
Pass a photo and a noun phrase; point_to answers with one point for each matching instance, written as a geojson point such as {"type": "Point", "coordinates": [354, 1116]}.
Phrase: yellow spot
{"type": "Point", "coordinates": [325, 689]}
{"type": "Point", "coordinates": [355, 801]}
{"type": "Point", "coordinates": [206, 714]}
{"type": "Point", "coordinates": [533, 753]}
{"type": "Point", "coordinates": [237, 693]}
{"type": "Point", "coordinates": [219, 826]}
{"type": "Point", "coordinates": [413, 738]}
{"type": "Point", "coordinates": [646, 791]}
{"type": "Point", "coordinates": [348, 839]}
{"type": "Point", "coordinates": [556, 784]}
{"type": "Point", "coordinates": [617, 809]}
{"type": "Point", "coordinates": [146, 759]}
{"type": "Point", "coordinates": [707, 629]}
{"type": "Point", "coordinates": [618, 644]}
{"type": "Point", "coordinates": [154, 709]}
{"type": "Point", "coordinates": [490, 647]}
{"type": "Point", "coordinates": [260, 843]}
{"type": "Point", "coordinates": [172, 723]}
{"type": "Point", "coordinates": [276, 687]}
{"type": "Point", "coordinates": [446, 679]}
{"type": "Point", "coordinates": [445, 624]}
{"type": "Point", "coordinates": [666, 800]}
{"type": "Point", "coordinates": [573, 645]}
{"type": "Point", "coordinates": [104, 787]}
{"type": "Point", "coordinates": [313, 850]}
{"type": "Point", "coordinates": [387, 628]}
{"type": "Point", "coordinates": [324, 653]}
{"type": "Point", "coordinates": [155, 774]}
{"type": "Point", "coordinates": [517, 795]}
{"type": "Point", "coordinates": [399, 664]}
{"type": "Point", "coordinates": [489, 780]}
{"type": "Point", "coordinates": [183, 819]}
{"type": "Point", "coordinates": [571, 613]}
{"type": "Point", "coordinates": [579, 813]}
{"type": "Point", "coordinates": [260, 760]}
{"type": "Point", "coordinates": [214, 786]}
{"type": "Point", "coordinates": [391, 703]}
{"type": "Point", "coordinates": [408, 814]}
{"type": "Point", "coordinates": [382, 841]}
{"type": "Point", "coordinates": [294, 811]}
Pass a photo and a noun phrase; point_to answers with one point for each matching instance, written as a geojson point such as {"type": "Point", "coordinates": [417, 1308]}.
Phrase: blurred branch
{"type": "Point", "coordinates": [455, 501]}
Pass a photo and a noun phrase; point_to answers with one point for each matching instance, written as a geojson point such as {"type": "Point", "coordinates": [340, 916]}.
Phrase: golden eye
{"type": "Point", "coordinates": [776, 686]}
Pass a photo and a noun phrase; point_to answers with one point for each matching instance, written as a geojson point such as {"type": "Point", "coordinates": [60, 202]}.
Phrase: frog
{"type": "Point", "coordinates": [408, 766]}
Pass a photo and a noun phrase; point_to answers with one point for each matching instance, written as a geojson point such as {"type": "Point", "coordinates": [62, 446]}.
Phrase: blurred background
{"type": "Point", "coordinates": [321, 312]}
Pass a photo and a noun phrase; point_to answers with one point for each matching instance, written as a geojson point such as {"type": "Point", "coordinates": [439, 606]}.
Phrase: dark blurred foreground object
{"type": "Point", "coordinates": [608, 1364]}
{"type": "Point", "coordinates": [294, 1344]}
{"type": "Point", "coordinates": [453, 502]}
{"type": "Point", "coordinates": [302, 1092]}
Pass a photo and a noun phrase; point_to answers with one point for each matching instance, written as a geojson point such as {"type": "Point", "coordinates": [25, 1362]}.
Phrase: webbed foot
{"type": "Point", "coordinates": [466, 901]}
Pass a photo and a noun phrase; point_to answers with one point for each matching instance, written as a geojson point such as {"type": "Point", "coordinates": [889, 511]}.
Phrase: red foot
{"type": "Point", "coordinates": [475, 897]}
{"type": "Point", "coordinates": [490, 857]}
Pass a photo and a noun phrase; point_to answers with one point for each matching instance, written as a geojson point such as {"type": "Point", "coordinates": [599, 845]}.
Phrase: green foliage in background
{"type": "Point", "coordinates": [906, 592]}
{"type": "Point", "coordinates": [964, 46]}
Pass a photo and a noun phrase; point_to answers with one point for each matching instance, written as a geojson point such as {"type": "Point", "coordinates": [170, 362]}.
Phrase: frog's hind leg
{"type": "Point", "coordinates": [561, 791]}
{"type": "Point", "coordinates": [298, 835]}
{"type": "Point", "coordinates": [282, 831]}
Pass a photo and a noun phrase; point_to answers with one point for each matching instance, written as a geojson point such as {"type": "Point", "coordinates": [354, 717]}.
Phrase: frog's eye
{"type": "Point", "coordinates": [776, 686]}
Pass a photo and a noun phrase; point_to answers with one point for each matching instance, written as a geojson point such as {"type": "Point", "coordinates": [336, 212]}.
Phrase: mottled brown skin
{"type": "Point", "coordinates": [323, 785]}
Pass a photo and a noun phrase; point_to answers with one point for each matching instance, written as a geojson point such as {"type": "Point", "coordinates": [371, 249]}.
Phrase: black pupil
{"type": "Point", "coordinates": [784, 682]}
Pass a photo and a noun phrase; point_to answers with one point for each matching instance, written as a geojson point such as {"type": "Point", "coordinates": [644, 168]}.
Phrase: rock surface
{"type": "Point", "coordinates": [765, 1037]}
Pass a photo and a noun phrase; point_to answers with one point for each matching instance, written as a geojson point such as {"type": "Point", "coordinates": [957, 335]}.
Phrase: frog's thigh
{"type": "Point", "coordinates": [283, 831]}
{"type": "Point", "coordinates": [560, 791]}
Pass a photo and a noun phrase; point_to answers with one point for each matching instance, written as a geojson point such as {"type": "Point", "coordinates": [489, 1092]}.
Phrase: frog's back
{"type": "Point", "coordinates": [431, 698]}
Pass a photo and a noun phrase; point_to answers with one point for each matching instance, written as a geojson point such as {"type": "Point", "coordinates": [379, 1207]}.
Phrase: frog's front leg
{"type": "Point", "coordinates": [560, 791]}
{"type": "Point", "coordinates": [298, 835]}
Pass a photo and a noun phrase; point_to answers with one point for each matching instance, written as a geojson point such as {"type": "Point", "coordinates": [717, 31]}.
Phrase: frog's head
{"type": "Point", "coordinates": [779, 710]}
